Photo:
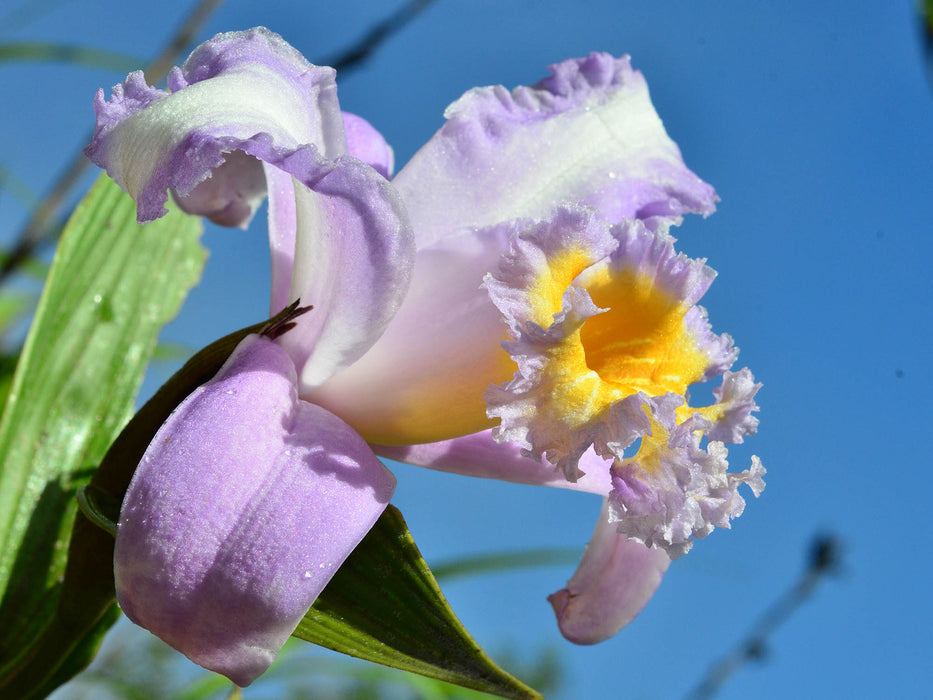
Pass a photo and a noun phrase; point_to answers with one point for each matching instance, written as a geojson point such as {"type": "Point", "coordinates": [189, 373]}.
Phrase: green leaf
{"type": "Point", "coordinates": [112, 287]}
{"type": "Point", "coordinates": [7, 367]}
{"type": "Point", "coordinates": [384, 605]}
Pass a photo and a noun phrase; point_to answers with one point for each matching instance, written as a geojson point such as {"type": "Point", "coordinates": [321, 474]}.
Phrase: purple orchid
{"type": "Point", "coordinates": [510, 305]}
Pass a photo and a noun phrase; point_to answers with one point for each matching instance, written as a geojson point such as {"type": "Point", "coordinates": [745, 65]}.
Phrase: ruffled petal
{"type": "Point", "coordinates": [615, 580]}
{"type": "Point", "coordinates": [231, 194]}
{"type": "Point", "coordinates": [245, 504]}
{"type": "Point", "coordinates": [672, 491]}
{"type": "Point", "coordinates": [735, 402]}
{"type": "Point", "coordinates": [480, 455]}
{"type": "Point", "coordinates": [247, 91]}
{"type": "Point", "coordinates": [588, 134]}
{"type": "Point", "coordinates": [602, 319]}
{"type": "Point", "coordinates": [248, 113]}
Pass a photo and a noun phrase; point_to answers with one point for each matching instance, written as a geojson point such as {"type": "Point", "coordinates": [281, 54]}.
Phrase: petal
{"type": "Point", "coordinates": [235, 90]}
{"type": "Point", "coordinates": [248, 113]}
{"type": "Point", "coordinates": [367, 144]}
{"type": "Point", "coordinates": [423, 381]}
{"type": "Point", "coordinates": [354, 253]}
{"type": "Point", "coordinates": [282, 233]}
{"type": "Point", "coordinates": [674, 490]}
{"type": "Point", "coordinates": [245, 504]}
{"type": "Point", "coordinates": [588, 134]}
{"type": "Point", "coordinates": [735, 402]}
{"type": "Point", "coordinates": [231, 194]}
{"type": "Point", "coordinates": [480, 455]}
{"type": "Point", "coordinates": [615, 580]}
{"type": "Point", "coordinates": [598, 316]}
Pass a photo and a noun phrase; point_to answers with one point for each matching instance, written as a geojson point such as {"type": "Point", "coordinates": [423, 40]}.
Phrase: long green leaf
{"type": "Point", "coordinates": [112, 287]}
{"type": "Point", "coordinates": [384, 605]}
{"type": "Point", "coordinates": [496, 562]}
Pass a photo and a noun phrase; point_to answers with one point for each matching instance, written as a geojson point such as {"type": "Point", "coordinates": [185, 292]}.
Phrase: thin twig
{"type": "Point", "coordinates": [41, 223]}
{"type": "Point", "coordinates": [357, 53]}
{"type": "Point", "coordinates": [825, 558]}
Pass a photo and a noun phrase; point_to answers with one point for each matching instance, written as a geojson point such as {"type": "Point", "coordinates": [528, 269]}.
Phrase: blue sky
{"type": "Point", "coordinates": [813, 121]}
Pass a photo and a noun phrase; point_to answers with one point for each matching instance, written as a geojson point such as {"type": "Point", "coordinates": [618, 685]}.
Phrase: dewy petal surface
{"type": "Point", "coordinates": [588, 134]}
{"type": "Point", "coordinates": [245, 504]}
{"type": "Point", "coordinates": [366, 143]}
{"type": "Point", "coordinates": [231, 90]}
{"type": "Point", "coordinates": [615, 580]}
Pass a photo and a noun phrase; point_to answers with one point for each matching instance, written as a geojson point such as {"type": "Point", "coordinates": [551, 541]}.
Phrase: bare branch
{"type": "Point", "coordinates": [356, 54]}
{"type": "Point", "coordinates": [825, 558]}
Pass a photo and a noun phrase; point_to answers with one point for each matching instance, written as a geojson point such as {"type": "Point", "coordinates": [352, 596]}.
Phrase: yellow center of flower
{"type": "Point", "coordinates": [653, 448]}
{"type": "Point", "coordinates": [640, 343]}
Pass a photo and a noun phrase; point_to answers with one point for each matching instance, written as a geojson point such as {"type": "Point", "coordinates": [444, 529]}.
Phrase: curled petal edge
{"type": "Point", "coordinates": [232, 90]}
{"type": "Point", "coordinates": [588, 134]}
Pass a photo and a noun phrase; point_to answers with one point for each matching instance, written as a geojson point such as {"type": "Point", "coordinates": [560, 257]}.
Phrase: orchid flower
{"type": "Point", "coordinates": [509, 305]}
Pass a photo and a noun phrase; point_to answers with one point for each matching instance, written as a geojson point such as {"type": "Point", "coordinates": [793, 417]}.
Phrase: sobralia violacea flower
{"type": "Point", "coordinates": [509, 305]}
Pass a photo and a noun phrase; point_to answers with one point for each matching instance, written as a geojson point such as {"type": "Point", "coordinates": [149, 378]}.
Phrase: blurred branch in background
{"type": "Point", "coordinates": [925, 8]}
{"type": "Point", "coordinates": [77, 55]}
{"type": "Point", "coordinates": [824, 559]}
{"type": "Point", "coordinates": [45, 221]}
{"type": "Point", "coordinates": [28, 12]}
{"type": "Point", "coordinates": [376, 36]}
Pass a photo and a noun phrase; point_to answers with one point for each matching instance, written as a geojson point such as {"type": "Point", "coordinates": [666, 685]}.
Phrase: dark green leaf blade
{"type": "Point", "coordinates": [384, 605]}
{"type": "Point", "coordinates": [112, 287]}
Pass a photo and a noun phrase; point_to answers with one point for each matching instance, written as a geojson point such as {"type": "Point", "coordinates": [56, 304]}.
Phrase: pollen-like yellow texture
{"type": "Point", "coordinates": [639, 343]}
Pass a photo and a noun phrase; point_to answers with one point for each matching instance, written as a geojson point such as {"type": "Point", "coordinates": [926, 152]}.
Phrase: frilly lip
{"type": "Point", "coordinates": [684, 492]}
{"type": "Point", "coordinates": [535, 265]}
